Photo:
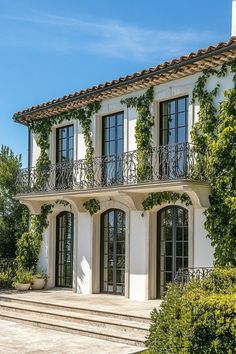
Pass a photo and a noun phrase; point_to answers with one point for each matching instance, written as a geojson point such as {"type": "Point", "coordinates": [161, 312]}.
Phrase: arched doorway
{"type": "Point", "coordinates": [112, 268]}
{"type": "Point", "coordinates": [172, 244]}
{"type": "Point", "coordinates": [64, 249]}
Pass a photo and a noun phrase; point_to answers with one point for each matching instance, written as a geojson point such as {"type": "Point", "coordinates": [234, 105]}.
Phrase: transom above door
{"type": "Point", "coordinates": [172, 245]}
{"type": "Point", "coordinates": [112, 271]}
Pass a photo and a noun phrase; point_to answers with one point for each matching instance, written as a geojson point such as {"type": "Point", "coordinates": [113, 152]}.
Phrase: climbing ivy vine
{"type": "Point", "coordinates": [160, 198]}
{"type": "Point", "coordinates": [143, 132]}
{"type": "Point", "coordinates": [214, 136]}
{"type": "Point", "coordinates": [92, 205]}
{"type": "Point", "coordinates": [29, 244]}
{"type": "Point", "coordinates": [43, 127]}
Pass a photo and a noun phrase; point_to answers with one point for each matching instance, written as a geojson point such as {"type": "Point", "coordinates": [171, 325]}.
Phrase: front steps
{"type": "Point", "coordinates": [116, 327]}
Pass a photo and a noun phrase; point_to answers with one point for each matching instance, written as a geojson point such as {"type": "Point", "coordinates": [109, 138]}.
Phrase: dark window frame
{"type": "Point", "coordinates": [174, 241]}
{"type": "Point", "coordinates": [102, 228]}
{"type": "Point", "coordinates": [57, 264]}
{"type": "Point", "coordinates": [67, 142]}
{"type": "Point", "coordinates": [161, 129]}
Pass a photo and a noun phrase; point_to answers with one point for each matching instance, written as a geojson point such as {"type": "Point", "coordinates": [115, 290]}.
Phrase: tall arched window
{"type": "Point", "coordinates": [172, 244]}
{"type": "Point", "coordinates": [64, 249]}
{"type": "Point", "coordinates": [112, 269]}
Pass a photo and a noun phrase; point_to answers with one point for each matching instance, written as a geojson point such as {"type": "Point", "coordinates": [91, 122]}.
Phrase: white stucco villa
{"type": "Point", "coordinates": [117, 250]}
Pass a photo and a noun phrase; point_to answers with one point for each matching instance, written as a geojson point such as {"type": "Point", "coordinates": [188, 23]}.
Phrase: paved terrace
{"type": "Point", "coordinates": [100, 302]}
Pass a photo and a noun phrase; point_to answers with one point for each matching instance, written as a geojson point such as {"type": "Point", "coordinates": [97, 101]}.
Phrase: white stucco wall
{"type": "Point", "coordinates": [203, 251]}
{"type": "Point", "coordinates": [162, 92]}
{"type": "Point", "coordinates": [84, 253]}
{"type": "Point", "coordinates": [139, 255]}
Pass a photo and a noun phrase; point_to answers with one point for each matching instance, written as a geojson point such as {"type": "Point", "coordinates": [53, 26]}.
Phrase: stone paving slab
{"type": "Point", "coordinates": [101, 302]}
{"type": "Point", "coordinates": [17, 338]}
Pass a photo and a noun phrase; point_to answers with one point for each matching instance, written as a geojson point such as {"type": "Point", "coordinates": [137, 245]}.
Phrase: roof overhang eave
{"type": "Point", "coordinates": [20, 117]}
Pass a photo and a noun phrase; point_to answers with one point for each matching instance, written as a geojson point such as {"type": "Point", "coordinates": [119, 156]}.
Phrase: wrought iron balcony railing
{"type": "Point", "coordinates": [169, 162]}
{"type": "Point", "coordinates": [184, 275]}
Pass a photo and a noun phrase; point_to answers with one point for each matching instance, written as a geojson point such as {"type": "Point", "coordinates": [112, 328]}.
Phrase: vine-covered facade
{"type": "Point", "coordinates": [144, 171]}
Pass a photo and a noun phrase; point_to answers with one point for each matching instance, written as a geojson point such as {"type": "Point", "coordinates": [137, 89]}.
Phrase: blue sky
{"type": "Point", "coordinates": [51, 48]}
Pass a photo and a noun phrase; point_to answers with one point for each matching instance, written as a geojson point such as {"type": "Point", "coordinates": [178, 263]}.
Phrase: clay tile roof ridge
{"type": "Point", "coordinates": [140, 73]}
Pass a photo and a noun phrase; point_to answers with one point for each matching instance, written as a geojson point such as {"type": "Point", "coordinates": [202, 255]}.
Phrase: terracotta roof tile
{"type": "Point", "coordinates": [136, 75]}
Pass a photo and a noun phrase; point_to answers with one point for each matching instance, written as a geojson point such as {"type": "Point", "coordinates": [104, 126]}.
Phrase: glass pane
{"type": "Point", "coordinates": [179, 233]}
{"type": "Point", "coordinates": [112, 134]}
{"type": "Point", "coordinates": [179, 249]}
{"type": "Point", "coordinates": [71, 131]}
{"type": "Point", "coordinates": [186, 234]}
{"type": "Point", "coordinates": [171, 107]}
{"type": "Point", "coordinates": [164, 122]}
{"type": "Point", "coordinates": [112, 121]}
{"type": "Point", "coordinates": [169, 248]}
{"type": "Point", "coordinates": [181, 105]}
{"type": "Point", "coordinates": [164, 137]}
{"type": "Point", "coordinates": [186, 249]}
{"type": "Point", "coordinates": [120, 119]}
{"type": "Point", "coordinates": [164, 108]}
{"type": "Point", "coordinates": [179, 263]}
{"type": "Point", "coordinates": [64, 144]}
{"type": "Point", "coordinates": [120, 132]}
{"type": "Point", "coordinates": [181, 119]}
{"type": "Point", "coordinates": [171, 136]}
{"type": "Point", "coordinates": [120, 146]}
{"type": "Point", "coordinates": [171, 121]}
{"type": "Point", "coordinates": [180, 217]}
{"type": "Point", "coordinates": [120, 262]}
{"type": "Point", "coordinates": [168, 263]}
{"type": "Point", "coordinates": [112, 148]}
{"type": "Point", "coordinates": [168, 233]}
{"type": "Point", "coordinates": [120, 248]}
{"type": "Point", "coordinates": [111, 219]}
{"type": "Point", "coordinates": [182, 135]}
{"type": "Point", "coordinates": [63, 132]}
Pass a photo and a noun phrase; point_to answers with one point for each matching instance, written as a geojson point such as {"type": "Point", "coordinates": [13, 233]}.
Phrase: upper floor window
{"type": "Point", "coordinates": [113, 148]}
{"type": "Point", "coordinates": [174, 121]}
{"type": "Point", "coordinates": [65, 144]}
{"type": "Point", "coordinates": [113, 134]}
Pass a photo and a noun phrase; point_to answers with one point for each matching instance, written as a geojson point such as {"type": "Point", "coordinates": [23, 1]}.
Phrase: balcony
{"type": "Point", "coordinates": [164, 163]}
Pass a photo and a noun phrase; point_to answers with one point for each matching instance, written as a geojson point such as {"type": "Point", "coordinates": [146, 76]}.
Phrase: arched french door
{"type": "Point", "coordinates": [64, 250]}
{"type": "Point", "coordinates": [172, 244]}
{"type": "Point", "coordinates": [112, 268]}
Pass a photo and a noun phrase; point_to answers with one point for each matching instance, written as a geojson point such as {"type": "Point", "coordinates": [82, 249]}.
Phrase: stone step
{"type": "Point", "coordinates": [75, 309]}
{"type": "Point", "coordinates": [74, 328]}
{"type": "Point", "coordinates": [89, 319]}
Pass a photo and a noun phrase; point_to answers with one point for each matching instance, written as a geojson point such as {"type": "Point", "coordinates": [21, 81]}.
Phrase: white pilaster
{"type": "Point", "coordinates": [139, 255]}
{"type": "Point", "coordinates": [84, 253]}
{"type": "Point", "coordinates": [203, 251]}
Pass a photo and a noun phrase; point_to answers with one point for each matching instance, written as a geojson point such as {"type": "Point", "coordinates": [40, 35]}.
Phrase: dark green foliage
{"type": "Point", "coordinates": [5, 280]}
{"type": "Point", "coordinates": [92, 205]}
{"type": "Point", "coordinates": [42, 129]}
{"type": "Point", "coordinates": [214, 137]}
{"type": "Point", "coordinates": [29, 244]}
{"type": "Point", "coordinates": [199, 318]}
{"type": "Point", "coordinates": [11, 211]}
{"type": "Point", "coordinates": [143, 132]}
{"type": "Point", "coordinates": [159, 198]}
